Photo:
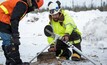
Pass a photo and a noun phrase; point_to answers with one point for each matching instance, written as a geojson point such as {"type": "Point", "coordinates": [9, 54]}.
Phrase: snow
{"type": "Point", "coordinates": [92, 24]}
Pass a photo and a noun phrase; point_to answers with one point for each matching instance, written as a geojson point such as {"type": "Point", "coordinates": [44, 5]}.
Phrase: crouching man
{"type": "Point", "coordinates": [64, 26]}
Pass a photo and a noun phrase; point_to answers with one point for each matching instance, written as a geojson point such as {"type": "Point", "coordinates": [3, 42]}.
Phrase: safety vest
{"type": "Point", "coordinates": [6, 9]}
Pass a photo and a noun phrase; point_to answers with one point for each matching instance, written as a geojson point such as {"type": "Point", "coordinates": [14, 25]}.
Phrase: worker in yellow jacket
{"type": "Point", "coordinates": [63, 25]}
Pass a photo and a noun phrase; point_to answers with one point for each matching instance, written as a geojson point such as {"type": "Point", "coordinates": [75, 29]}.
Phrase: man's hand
{"type": "Point", "coordinates": [15, 39]}
{"type": "Point", "coordinates": [52, 48]}
{"type": "Point", "coordinates": [65, 38]}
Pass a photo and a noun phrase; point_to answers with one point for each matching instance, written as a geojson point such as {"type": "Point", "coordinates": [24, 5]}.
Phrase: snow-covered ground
{"type": "Point", "coordinates": [92, 24]}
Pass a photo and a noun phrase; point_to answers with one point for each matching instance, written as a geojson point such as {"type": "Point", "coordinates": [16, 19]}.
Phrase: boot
{"type": "Point", "coordinates": [7, 58]}
{"type": "Point", "coordinates": [12, 55]}
{"type": "Point", "coordinates": [76, 57]}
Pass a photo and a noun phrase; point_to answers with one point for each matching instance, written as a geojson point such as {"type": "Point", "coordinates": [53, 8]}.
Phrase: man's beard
{"type": "Point", "coordinates": [56, 19]}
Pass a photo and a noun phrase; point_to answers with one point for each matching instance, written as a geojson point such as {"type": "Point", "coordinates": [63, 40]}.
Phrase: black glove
{"type": "Point", "coordinates": [15, 39]}
{"type": "Point", "coordinates": [65, 38]}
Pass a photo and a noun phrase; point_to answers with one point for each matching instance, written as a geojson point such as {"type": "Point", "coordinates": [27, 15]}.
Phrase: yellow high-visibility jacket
{"type": "Point", "coordinates": [67, 27]}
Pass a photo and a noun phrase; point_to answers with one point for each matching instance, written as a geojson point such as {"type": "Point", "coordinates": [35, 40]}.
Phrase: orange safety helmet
{"type": "Point", "coordinates": [37, 3]}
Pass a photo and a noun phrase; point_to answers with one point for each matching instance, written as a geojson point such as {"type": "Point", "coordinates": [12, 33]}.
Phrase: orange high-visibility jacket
{"type": "Point", "coordinates": [6, 9]}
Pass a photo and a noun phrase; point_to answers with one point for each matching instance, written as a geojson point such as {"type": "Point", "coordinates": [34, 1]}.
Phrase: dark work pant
{"type": "Point", "coordinates": [75, 36]}
{"type": "Point", "coordinates": [62, 49]}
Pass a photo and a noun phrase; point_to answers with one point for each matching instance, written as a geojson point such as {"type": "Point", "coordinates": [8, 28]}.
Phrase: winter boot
{"type": "Point", "coordinates": [76, 57]}
{"type": "Point", "coordinates": [12, 55]}
{"type": "Point", "coordinates": [7, 58]}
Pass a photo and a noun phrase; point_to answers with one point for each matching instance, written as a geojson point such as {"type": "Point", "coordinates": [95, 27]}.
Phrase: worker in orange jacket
{"type": "Point", "coordinates": [11, 12]}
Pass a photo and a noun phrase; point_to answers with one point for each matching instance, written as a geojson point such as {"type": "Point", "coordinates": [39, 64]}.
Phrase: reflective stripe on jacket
{"type": "Point", "coordinates": [67, 27]}
{"type": "Point", "coordinates": [6, 9]}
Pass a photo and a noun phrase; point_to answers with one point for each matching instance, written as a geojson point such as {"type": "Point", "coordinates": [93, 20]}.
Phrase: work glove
{"type": "Point", "coordinates": [52, 48]}
{"type": "Point", "coordinates": [15, 39]}
{"type": "Point", "coordinates": [65, 38]}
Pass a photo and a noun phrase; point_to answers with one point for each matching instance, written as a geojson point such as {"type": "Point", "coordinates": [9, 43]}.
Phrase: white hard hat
{"type": "Point", "coordinates": [53, 8]}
